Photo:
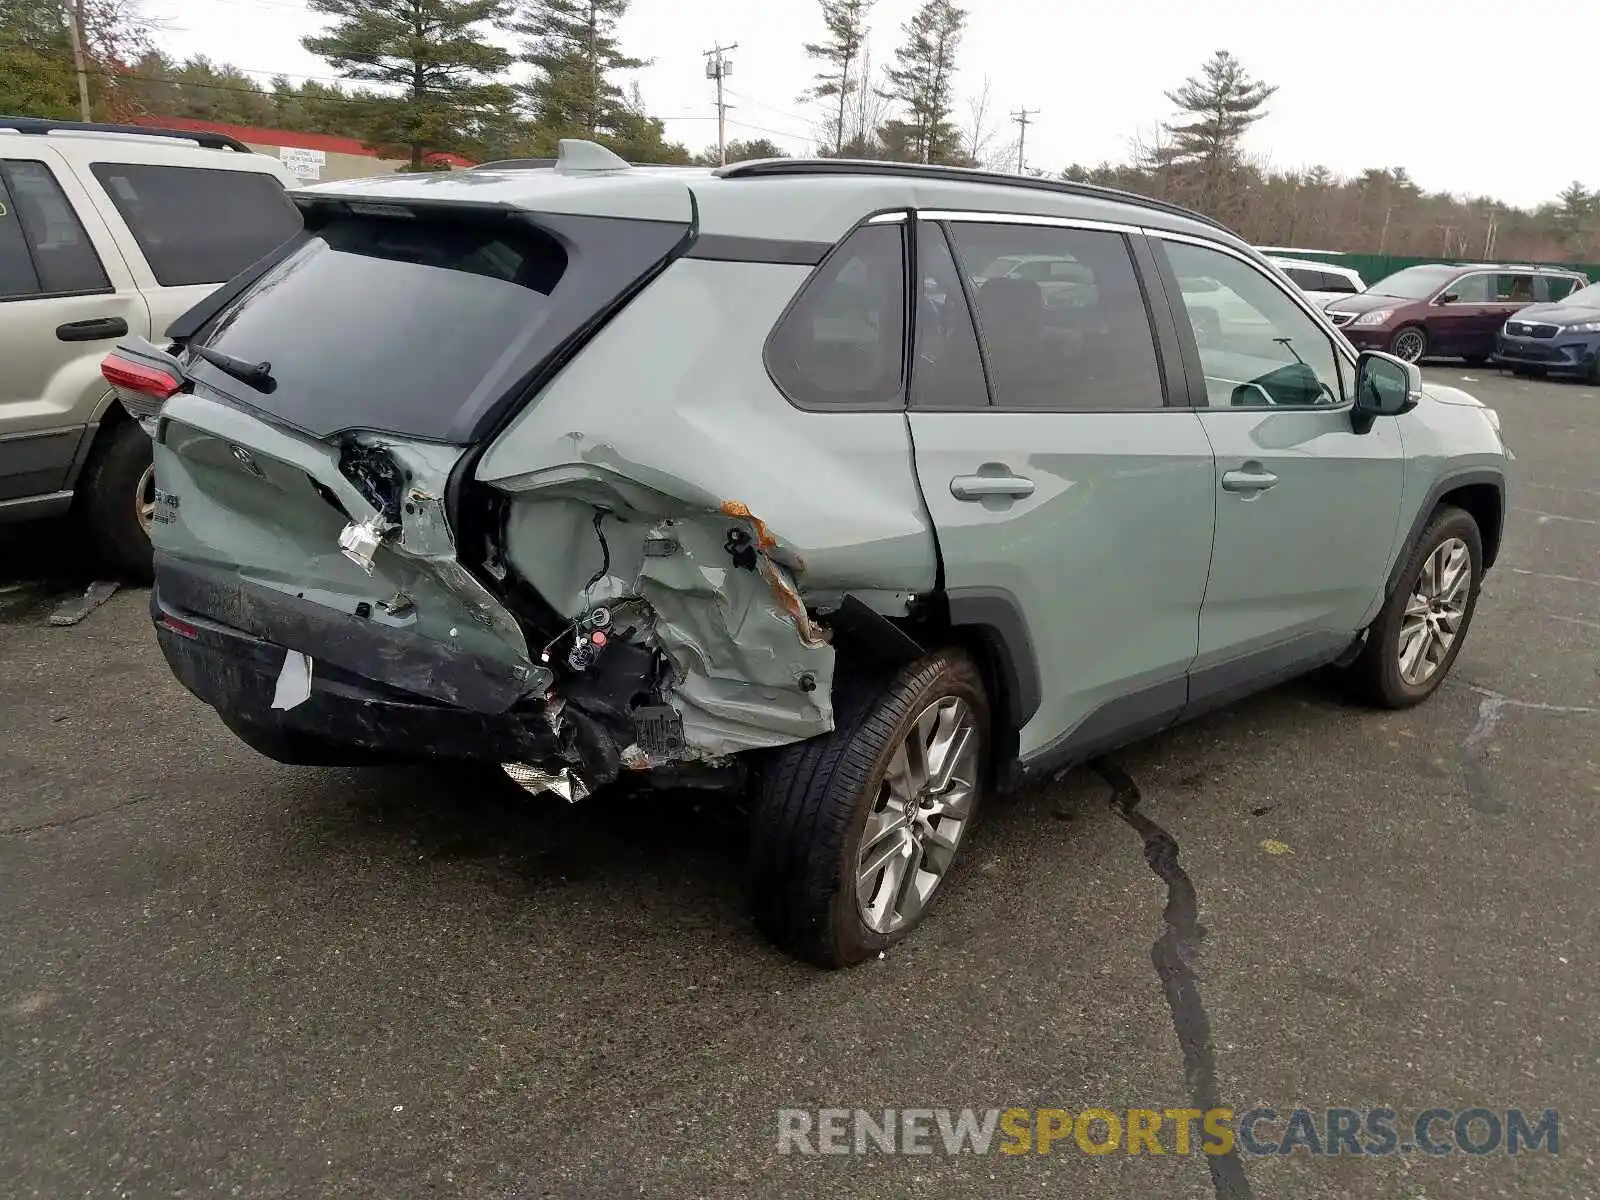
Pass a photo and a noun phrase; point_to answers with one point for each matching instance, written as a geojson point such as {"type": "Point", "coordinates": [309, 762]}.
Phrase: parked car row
{"type": "Point", "coordinates": [1533, 319]}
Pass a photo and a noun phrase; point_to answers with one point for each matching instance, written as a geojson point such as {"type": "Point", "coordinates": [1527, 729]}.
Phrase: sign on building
{"type": "Point", "coordinates": [305, 164]}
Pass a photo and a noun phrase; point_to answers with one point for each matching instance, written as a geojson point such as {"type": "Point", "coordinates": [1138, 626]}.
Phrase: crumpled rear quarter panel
{"type": "Point", "coordinates": [669, 424]}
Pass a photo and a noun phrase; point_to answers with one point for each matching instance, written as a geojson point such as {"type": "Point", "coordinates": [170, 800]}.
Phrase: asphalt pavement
{"type": "Point", "coordinates": [224, 977]}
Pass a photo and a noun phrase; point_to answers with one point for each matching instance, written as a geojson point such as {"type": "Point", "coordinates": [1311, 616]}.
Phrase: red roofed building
{"type": "Point", "coordinates": [314, 157]}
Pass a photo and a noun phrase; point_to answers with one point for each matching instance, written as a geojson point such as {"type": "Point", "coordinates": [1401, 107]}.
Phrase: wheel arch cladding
{"type": "Point", "coordinates": [992, 618]}
{"type": "Point", "coordinates": [1481, 494]}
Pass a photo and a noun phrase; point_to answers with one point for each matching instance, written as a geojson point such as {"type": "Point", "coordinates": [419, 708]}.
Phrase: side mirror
{"type": "Point", "coordinates": [1386, 386]}
{"type": "Point", "coordinates": [1447, 298]}
{"type": "Point", "coordinates": [1202, 284]}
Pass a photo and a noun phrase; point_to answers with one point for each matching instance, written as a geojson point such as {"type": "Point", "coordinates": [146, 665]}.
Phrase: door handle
{"type": "Point", "coordinates": [979, 487]}
{"type": "Point", "coordinates": [1252, 479]}
{"type": "Point", "coordinates": [92, 331]}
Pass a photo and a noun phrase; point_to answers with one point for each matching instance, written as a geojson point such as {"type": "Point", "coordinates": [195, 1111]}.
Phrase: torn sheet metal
{"type": "Point", "coordinates": [563, 783]}
{"type": "Point", "coordinates": [750, 668]}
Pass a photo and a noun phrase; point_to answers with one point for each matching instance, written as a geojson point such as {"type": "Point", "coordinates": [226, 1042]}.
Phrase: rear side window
{"type": "Point", "coordinates": [1337, 283]}
{"type": "Point", "coordinates": [198, 225]}
{"type": "Point", "coordinates": [63, 259]}
{"type": "Point", "coordinates": [842, 343]}
{"type": "Point", "coordinates": [1562, 286]}
{"type": "Point", "coordinates": [1080, 339]}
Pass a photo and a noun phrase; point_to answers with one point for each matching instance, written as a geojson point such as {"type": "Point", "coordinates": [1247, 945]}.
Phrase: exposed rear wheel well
{"type": "Point", "coordinates": [1483, 503]}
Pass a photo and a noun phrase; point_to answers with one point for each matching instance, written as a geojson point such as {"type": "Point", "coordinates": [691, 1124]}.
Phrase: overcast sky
{"type": "Point", "coordinates": [1435, 86]}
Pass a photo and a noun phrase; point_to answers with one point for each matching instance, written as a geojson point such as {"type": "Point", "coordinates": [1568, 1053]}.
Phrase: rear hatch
{"type": "Point", "coordinates": [304, 499]}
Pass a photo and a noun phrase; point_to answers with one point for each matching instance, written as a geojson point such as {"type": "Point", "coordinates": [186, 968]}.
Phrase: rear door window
{"type": "Point", "coordinates": [199, 225]}
{"type": "Point", "coordinates": [1513, 288]}
{"type": "Point", "coordinates": [17, 276]}
{"type": "Point", "coordinates": [946, 372]}
{"type": "Point", "coordinates": [842, 343]}
{"type": "Point", "coordinates": [1079, 340]}
{"type": "Point", "coordinates": [63, 257]}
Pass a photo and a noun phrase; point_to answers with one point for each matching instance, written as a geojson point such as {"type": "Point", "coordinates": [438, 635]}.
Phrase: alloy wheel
{"type": "Point", "coordinates": [145, 499]}
{"type": "Point", "coordinates": [1409, 344]}
{"type": "Point", "coordinates": [922, 811]}
{"type": "Point", "coordinates": [1434, 613]}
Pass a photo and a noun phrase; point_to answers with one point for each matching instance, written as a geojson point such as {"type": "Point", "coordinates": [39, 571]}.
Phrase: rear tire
{"type": "Point", "coordinates": [116, 484]}
{"type": "Point", "coordinates": [1380, 674]}
{"type": "Point", "coordinates": [817, 891]}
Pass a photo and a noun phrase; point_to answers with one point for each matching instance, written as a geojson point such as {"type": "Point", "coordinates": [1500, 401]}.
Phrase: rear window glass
{"type": "Point", "coordinates": [390, 324]}
{"type": "Point", "coordinates": [199, 225]}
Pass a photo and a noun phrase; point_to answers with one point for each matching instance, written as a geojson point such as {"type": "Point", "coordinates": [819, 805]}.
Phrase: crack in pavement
{"type": "Point", "coordinates": [1174, 955]}
{"type": "Point", "coordinates": [59, 822]}
{"type": "Point", "coordinates": [1558, 578]}
{"type": "Point", "coordinates": [1481, 792]}
{"type": "Point", "coordinates": [1546, 517]}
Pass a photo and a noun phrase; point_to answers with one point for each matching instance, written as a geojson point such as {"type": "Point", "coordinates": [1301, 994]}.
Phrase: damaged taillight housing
{"type": "Point", "coordinates": [141, 388]}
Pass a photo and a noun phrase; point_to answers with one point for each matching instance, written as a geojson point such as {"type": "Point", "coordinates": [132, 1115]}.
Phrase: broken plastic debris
{"type": "Point", "coordinates": [70, 612]}
{"type": "Point", "coordinates": [535, 780]}
{"type": "Point", "coordinates": [294, 681]}
{"type": "Point", "coordinates": [1273, 846]}
{"type": "Point", "coordinates": [359, 540]}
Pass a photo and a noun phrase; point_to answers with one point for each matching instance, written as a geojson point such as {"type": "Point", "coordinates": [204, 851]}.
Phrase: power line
{"type": "Point", "coordinates": [1022, 117]}
{"type": "Point", "coordinates": [330, 99]}
{"type": "Point", "coordinates": [718, 68]}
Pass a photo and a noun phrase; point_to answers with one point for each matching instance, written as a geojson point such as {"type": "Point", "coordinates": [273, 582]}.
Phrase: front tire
{"type": "Point", "coordinates": [1409, 343]}
{"type": "Point", "coordinates": [116, 499]}
{"type": "Point", "coordinates": [855, 832]}
{"type": "Point", "coordinates": [1419, 632]}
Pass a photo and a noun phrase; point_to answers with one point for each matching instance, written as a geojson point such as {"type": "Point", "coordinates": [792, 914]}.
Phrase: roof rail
{"type": "Point", "coordinates": [41, 125]}
{"type": "Point", "coordinates": [515, 164]}
{"type": "Point", "coordinates": [763, 168]}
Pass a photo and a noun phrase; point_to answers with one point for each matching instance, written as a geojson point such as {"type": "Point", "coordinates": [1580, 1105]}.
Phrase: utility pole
{"type": "Point", "coordinates": [75, 21]}
{"type": "Point", "coordinates": [719, 67]}
{"type": "Point", "coordinates": [1022, 116]}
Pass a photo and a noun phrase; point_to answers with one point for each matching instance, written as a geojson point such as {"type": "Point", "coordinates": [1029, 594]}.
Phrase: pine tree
{"type": "Point", "coordinates": [574, 46]}
{"type": "Point", "coordinates": [434, 51]}
{"type": "Point", "coordinates": [922, 81]}
{"type": "Point", "coordinates": [1220, 107]}
{"type": "Point", "coordinates": [840, 56]}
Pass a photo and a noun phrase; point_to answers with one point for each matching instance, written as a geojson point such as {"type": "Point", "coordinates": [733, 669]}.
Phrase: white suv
{"type": "Point", "coordinates": [1322, 282]}
{"type": "Point", "coordinates": [107, 230]}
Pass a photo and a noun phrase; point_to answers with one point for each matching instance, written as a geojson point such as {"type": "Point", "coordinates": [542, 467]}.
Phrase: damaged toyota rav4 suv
{"type": "Point", "coordinates": [777, 475]}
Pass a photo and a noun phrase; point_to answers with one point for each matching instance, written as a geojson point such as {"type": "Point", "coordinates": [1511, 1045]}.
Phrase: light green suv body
{"type": "Point", "coordinates": [839, 506]}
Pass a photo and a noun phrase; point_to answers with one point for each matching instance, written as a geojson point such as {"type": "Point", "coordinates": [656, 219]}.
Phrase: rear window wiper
{"type": "Point", "coordinates": [256, 375]}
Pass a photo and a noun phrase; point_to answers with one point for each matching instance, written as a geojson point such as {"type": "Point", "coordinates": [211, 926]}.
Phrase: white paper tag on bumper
{"type": "Point", "coordinates": [294, 681]}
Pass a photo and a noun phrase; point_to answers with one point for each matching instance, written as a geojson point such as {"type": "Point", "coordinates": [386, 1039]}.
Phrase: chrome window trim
{"type": "Point", "coordinates": [1003, 218]}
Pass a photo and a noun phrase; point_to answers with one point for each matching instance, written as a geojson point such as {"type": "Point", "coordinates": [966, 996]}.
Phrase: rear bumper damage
{"type": "Point", "coordinates": [680, 635]}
